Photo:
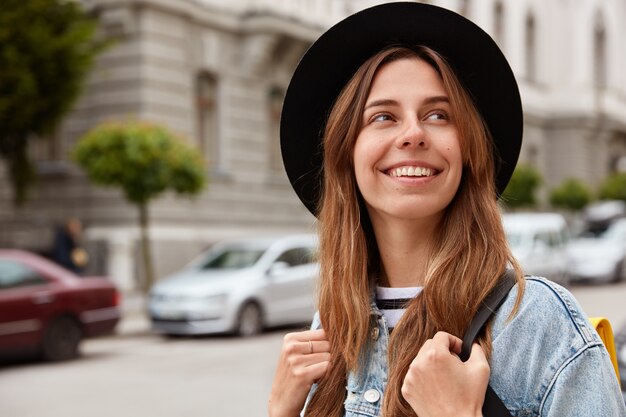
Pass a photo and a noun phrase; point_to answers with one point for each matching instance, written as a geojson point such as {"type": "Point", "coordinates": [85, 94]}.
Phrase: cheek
{"type": "Point", "coordinates": [362, 158]}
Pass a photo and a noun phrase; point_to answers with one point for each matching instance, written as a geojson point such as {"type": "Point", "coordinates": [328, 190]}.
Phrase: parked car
{"type": "Point", "coordinates": [601, 258]}
{"type": "Point", "coordinates": [239, 286]}
{"type": "Point", "coordinates": [598, 216]}
{"type": "Point", "coordinates": [539, 242]}
{"type": "Point", "coordinates": [48, 310]}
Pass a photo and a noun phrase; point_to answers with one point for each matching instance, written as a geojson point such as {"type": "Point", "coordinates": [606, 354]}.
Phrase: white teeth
{"type": "Point", "coordinates": [411, 172]}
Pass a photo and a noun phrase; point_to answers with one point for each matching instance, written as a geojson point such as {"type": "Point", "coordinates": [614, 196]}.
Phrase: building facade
{"type": "Point", "coordinates": [216, 72]}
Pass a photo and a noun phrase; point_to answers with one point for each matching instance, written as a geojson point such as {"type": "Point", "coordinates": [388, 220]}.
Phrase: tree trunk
{"type": "Point", "coordinates": [14, 150]}
{"type": "Point", "coordinates": [145, 248]}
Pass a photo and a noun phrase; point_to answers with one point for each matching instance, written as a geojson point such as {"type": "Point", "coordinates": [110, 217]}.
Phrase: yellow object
{"type": "Point", "coordinates": [603, 327]}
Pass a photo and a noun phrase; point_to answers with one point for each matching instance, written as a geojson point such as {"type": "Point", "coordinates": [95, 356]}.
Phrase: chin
{"type": "Point", "coordinates": [413, 213]}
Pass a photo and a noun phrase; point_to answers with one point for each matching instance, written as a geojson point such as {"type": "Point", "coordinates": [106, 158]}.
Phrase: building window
{"type": "Point", "coordinates": [276, 95]}
{"type": "Point", "coordinates": [206, 110]}
{"type": "Point", "coordinates": [531, 48]}
{"type": "Point", "coordinates": [599, 54]}
{"type": "Point", "coordinates": [498, 23]}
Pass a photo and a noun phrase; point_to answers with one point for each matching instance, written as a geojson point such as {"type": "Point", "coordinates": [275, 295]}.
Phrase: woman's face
{"type": "Point", "coordinates": [407, 158]}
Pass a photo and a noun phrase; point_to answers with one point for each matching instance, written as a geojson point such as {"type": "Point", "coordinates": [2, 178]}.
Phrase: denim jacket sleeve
{"type": "Point", "coordinates": [548, 360]}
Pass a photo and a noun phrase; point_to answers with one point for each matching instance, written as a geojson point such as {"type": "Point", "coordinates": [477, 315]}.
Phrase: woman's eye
{"type": "Point", "coordinates": [383, 117]}
{"type": "Point", "coordinates": [437, 116]}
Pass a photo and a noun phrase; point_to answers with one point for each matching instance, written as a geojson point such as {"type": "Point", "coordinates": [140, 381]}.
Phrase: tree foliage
{"type": "Point", "coordinates": [144, 160]}
{"type": "Point", "coordinates": [522, 188]}
{"type": "Point", "coordinates": [572, 194]}
{"type": "Point", "coordinates": [47, 48]}
{"type": "Point", "coordinates": [614, 187]}
{"type": "Point", "coordinates": [141, 158]}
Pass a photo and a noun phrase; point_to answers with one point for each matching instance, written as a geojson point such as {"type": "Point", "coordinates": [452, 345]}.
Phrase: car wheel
{"type": "Point", "coordinates": [250, 320]}
{"type": "Point", "coordinates": [61, 339]}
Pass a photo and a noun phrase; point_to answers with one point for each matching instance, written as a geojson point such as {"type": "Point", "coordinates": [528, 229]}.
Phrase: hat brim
{"type": "Point", "coordinates": [333, 59]}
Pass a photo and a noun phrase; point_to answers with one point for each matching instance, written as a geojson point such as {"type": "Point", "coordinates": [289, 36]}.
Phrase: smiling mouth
{"type": "Point", "coordinates": [412, 171]}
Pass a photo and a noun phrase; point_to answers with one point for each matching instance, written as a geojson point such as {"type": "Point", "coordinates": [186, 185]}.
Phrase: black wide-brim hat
{"type": "Point", "coordinates": [333, 59]}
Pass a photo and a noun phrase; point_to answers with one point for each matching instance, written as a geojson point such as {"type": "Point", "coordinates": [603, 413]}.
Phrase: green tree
{"type": "Point", "coordinates": [521, 190]}
{"type": "Point", "coordinates": [572, 194]}
{"type": "Point", "coordinates": [614, 187]}
{"type": "Point", "coordinates": [46, 49]}
{"type": "Point", "coordinates": [144, 160]}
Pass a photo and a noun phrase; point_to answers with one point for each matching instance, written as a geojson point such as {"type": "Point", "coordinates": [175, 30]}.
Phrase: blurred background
{"type": "Point", "coordinates": [135, 135]}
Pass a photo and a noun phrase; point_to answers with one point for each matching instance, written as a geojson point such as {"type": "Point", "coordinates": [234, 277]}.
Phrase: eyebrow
{"type": "Point", "coordinates": [390, 102]}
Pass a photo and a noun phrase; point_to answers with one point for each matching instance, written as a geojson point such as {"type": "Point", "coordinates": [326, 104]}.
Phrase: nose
{"type": "Point", "coordinates": [412, 136]}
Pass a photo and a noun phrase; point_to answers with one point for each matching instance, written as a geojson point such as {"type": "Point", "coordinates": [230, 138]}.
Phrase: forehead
{"type": "Point", "coordinates": [406, 75]}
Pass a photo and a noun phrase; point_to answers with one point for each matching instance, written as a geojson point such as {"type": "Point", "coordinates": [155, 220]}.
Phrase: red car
{"type": "Point", "coordinates": [48, 310]}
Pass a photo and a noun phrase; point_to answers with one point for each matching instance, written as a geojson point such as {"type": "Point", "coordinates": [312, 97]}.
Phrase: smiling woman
{"type": "Point", "coordinates": [407, 128]}
{"type": "Point", "coordinates": [421, 131]}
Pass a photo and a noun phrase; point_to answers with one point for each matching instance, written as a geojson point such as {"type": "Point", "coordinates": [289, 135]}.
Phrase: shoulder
{"type": "Point", "coordinates": [535, 344]}
{"type": "Point", "coordinates": [545, 307]}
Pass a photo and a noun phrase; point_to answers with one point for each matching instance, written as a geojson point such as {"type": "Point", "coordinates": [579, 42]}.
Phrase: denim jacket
{"type": "Point", "coordinates": [547, 360]}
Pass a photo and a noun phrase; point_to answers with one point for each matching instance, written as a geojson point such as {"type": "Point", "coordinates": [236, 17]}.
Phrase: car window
{"type": "Point", "coordinates": [14, 274]}
{"type": "Point", "coordinates": [554, 239]}
{"type": "Point", "coordinates": [296, 256]}
{"type": "Point", "coordinates": [232, 259]}
{"type": "Point", "coordinates": [615, 232]}
{"type": "Point", "coordinates": [542, 237]}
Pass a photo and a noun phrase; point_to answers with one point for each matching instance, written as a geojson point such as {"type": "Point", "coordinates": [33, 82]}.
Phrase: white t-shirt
{"type": "Point", "coordinates": [392, 302]}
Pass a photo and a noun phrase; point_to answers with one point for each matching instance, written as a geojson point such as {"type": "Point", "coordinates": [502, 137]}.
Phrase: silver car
{"type": "Point", "coordinates": [539, 242]}
{"type": "Point", "coordinates": [239, 286]}
{"type": "Point", "coordinates": [602, 258]}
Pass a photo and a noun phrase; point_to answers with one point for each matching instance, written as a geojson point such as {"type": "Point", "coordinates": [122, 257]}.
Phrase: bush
{"type": "Point", "coordinates": [572, 194]}
{"type": "Point", "coordinates": [614, 187]}
{"type": "Point", "coordinates": [523, 186]}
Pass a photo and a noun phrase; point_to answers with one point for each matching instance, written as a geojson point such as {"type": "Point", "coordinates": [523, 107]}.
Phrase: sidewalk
{"type": "Point", "coordinates": [134, 319]}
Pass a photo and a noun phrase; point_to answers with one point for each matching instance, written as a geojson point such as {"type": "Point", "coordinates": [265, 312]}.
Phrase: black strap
{"type": "Point", "coordinates": [493, 406]}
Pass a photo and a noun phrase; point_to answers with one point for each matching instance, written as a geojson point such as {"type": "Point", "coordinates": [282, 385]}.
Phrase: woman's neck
{"type": "Point", "coordinates": [404, 250]}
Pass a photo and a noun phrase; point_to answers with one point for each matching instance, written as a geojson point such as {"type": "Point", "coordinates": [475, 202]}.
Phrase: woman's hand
{"type": "Point", "coordinates": [439, 384]}
{"type": "Point", "coordinates": [304, 359]}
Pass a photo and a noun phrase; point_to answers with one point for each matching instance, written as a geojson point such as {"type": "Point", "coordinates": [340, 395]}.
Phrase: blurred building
{"type": "Point", "coordinates": [216, 71]}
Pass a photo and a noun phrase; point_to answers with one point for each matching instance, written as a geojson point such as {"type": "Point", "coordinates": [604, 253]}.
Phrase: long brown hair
{"type": "Point", "coordinates": [470, 252]}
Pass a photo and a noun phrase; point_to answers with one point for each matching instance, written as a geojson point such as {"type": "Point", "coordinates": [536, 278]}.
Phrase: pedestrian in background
{"type": "Point", "coordinates": [68, 248]}
{"type": "Point", "coordinates": [421, 125]}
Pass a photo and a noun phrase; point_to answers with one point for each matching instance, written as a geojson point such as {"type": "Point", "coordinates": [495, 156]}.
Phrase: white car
{"type": "Point", "coordinates": [239, 286]}
{"type": "Point", "coordinates": [539, 242]}
{"type": "Point", "coordinates": [601, 258]}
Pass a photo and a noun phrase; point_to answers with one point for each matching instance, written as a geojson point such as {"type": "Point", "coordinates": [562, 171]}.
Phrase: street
{"type": "Point", "coordinates": [147, 375]}
{"type": "Point", "coordinates": [142, 374]}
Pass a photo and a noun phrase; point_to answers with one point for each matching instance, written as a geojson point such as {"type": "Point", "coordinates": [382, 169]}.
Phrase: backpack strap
{"type": "Point", "coordinates": [493, 406]}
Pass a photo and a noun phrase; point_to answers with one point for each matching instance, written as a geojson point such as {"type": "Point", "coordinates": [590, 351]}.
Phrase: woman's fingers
{"type": "Point", "coordinates": [319, 369]}
{"type": "Point", "coordinates": [307, 342]}
{"type": "Point", "coordinates": [438, 381]}
{"type": "Point", "coordinates": [304, 359]}
{"type": "Point", "coordinates": [448, 341]}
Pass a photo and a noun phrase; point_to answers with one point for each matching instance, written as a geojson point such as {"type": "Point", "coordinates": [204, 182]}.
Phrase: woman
{"type": "Point", "coordinates": [423, 131]}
